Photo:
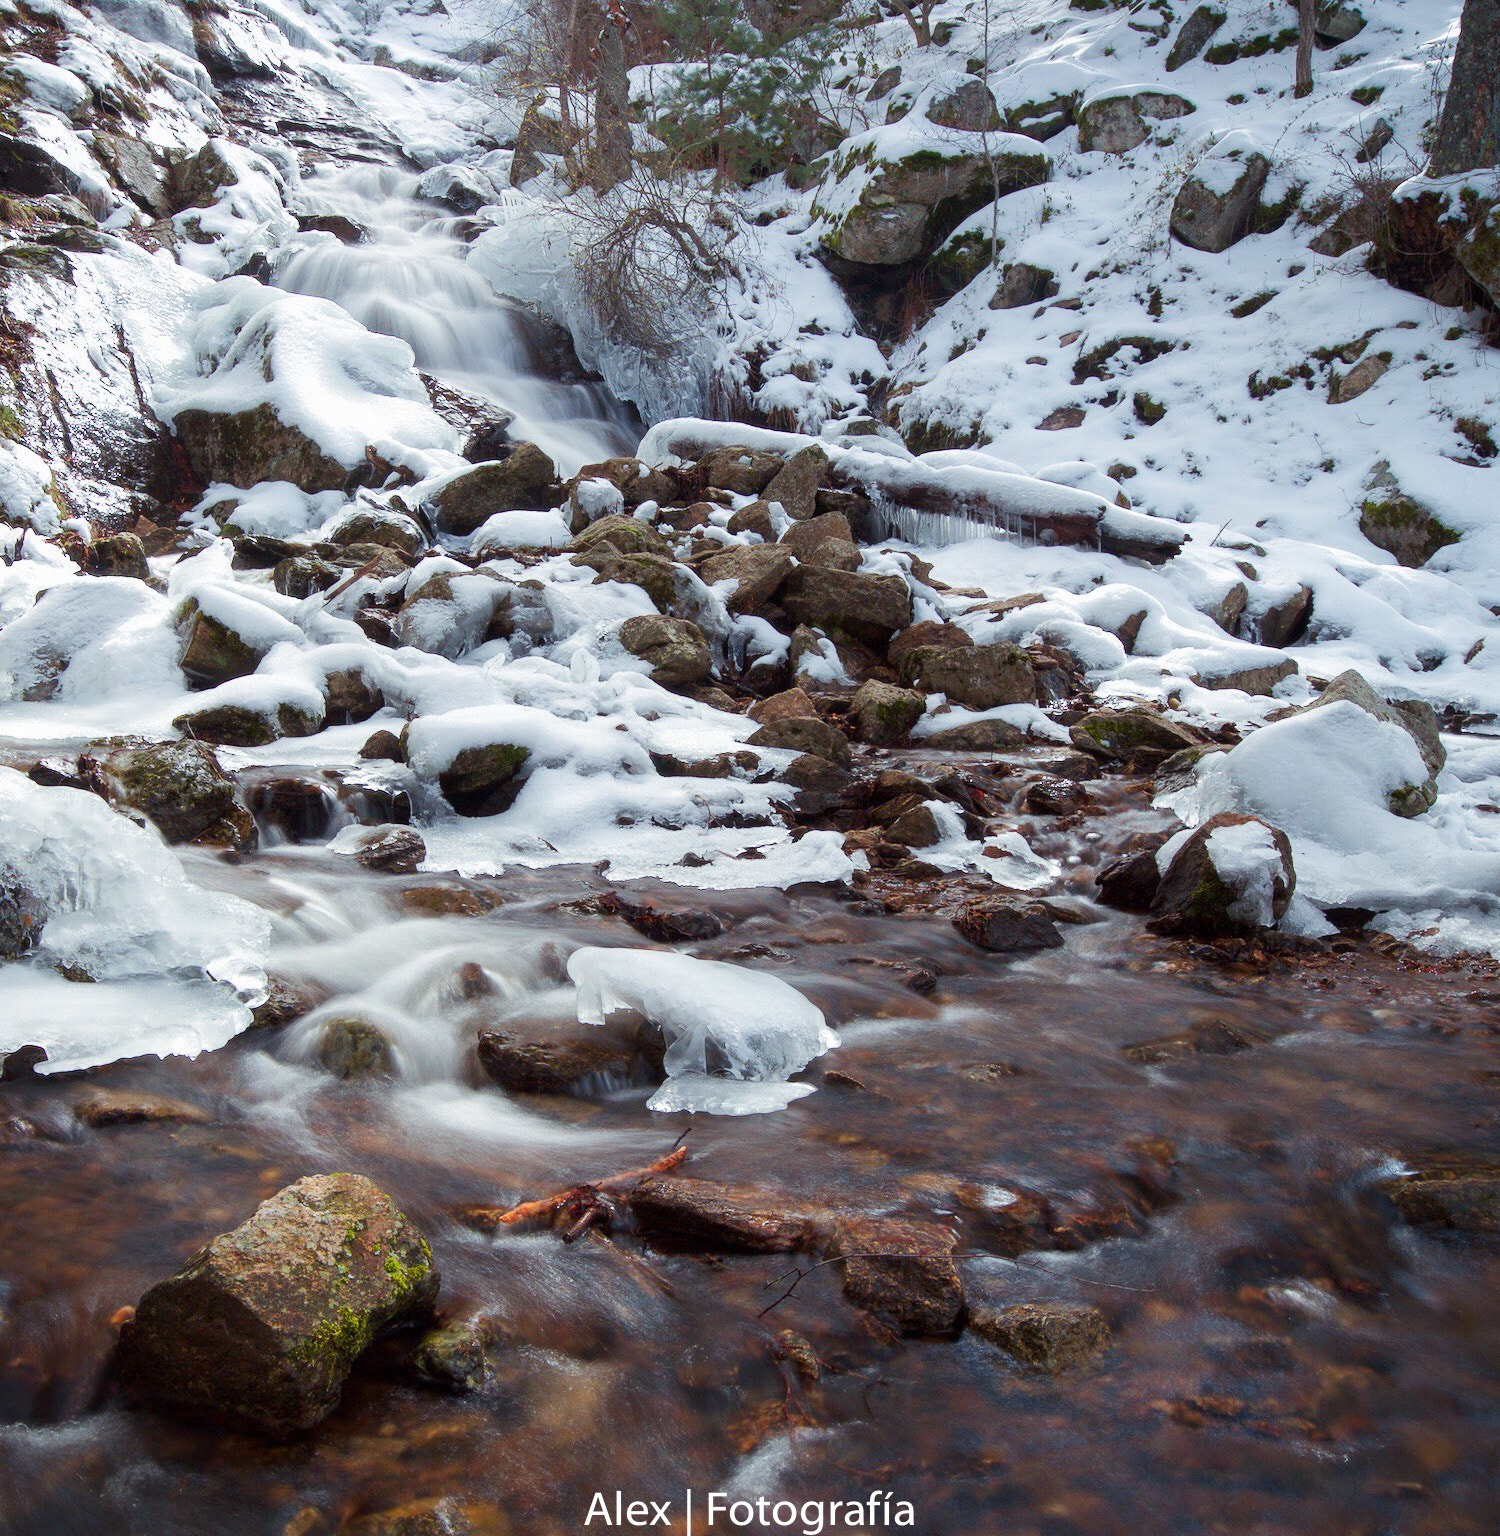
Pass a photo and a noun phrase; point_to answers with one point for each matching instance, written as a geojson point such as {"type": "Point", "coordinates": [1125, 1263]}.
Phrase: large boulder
{"type": "Point", "coordinates": [28, 169]}
{"type": "Point", "coordinates": [805, 539]}
{"type": "Point", "coordinates": [1196, 34]}
{"type": "Point", "coordinates": [976, 676]}
{"type": "Point", "coordinates": [484, 780]}
{"type": "Point", "coordinates": [245, 447]}
{"type": "Point", "coordinates": [264, 1324]}
{"type": "Point", "coordinates": [1138, 737]}
{"type": "Point", "coordinates": [759, 572]}
{"type": "Point", "coordinates": [868, 608]}
{"type": "Point", "coordinates": [674, 649]}
{"type": "Point", "coordinates": [968, 106]}
{"type": "Point", "coordinates": [1216, 206]}
{"type": "Point", "coordinates": [1233, 875]}
{"type": "Point", "coordinates": [806, 735]}
{"type": "Point", "coordinates": [884, 715]}
{"type": "Point", "coordinates": [178, 786]}
{"type": "Point", "coordinates": [744, 471]}
{"type": "Point", "coordinates": [1116, 122]}
{"type": "Point", "coordinates": [909, 205]}
{"type": "Point", "coordinates": [524, 481]}
{"type": "Point", "coordinates": [1417, 719]}
{"type": "Point", "coordinates": [797, 483]}
{"type": "Point", "coordinates": [1478, 254]}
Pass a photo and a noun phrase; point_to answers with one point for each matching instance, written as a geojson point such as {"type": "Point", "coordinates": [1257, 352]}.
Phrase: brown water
{"type": "Point", "coordinates": [1287, 1359]}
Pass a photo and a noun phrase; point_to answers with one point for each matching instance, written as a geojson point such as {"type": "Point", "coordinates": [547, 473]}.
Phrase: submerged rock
{"type": "Point", "coordinates": [1046, 1336]}
{"type": "Point", "coordinates": [265, 1323]}
{"type": "Point", "coordinates": [704, 1214]}
{"type": "Point", "coordinates": [562, 1060]}
{"type": "Point", "coordinates": [352, 1047]}
{"type": "Point", "coordinates": [902, 1271]}
{"type": "Point", "coordinates": [452, 1356]}
{"type": "Point", "coordinates": [1461, 1193]}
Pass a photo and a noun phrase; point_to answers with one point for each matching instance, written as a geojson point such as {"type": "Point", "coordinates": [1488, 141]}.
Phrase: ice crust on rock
{"type": "Point", "coordinates": [176, 969]}
{"type": "Point", "coordinates": [733, 1036]}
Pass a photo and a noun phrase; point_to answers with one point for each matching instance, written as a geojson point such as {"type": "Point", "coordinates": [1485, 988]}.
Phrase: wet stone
{"type": "Point", "coordinates": [452, 1357]}
{"type": "Point", "coordinates": [559, 1062]}
{"type": "Point", "coordinates": [700, 1213]}
{"type": "Point", "coordinates": [102, 1107]}
{"type": "Point", "coordinates": [265, 1323]}
{"type": "Point", "coordinates": [902, 1271]}
{"type": "Point", "coordinates": [391, 850]}
{"type": "Point", "coordinates": [351, 1047]}
{"type": "Point", "coordinates": [1044, 1336]}
{"type": "Point", "coordinates": [1005, 926]}
{"type": "Point", "coordinates": [1460, 1193]}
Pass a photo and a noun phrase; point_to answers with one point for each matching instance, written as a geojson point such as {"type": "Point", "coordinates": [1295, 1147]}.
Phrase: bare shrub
{"type": "Point", "coordinates": [651, 257]}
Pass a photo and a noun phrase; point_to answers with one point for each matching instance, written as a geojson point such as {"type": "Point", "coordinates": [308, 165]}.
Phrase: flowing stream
{"type": "Point", "coordinates": [1285, 1358]}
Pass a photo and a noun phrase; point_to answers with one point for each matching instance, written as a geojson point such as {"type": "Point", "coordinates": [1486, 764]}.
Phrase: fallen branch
{"type": "Point", "coordinates": [581, 1206]}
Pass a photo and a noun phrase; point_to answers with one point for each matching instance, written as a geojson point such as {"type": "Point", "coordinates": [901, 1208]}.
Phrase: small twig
{"type": "Point", "coordinates": [364, 570]}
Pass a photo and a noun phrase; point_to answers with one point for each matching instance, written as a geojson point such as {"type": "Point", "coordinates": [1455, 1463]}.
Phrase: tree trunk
{"type": "Point", "coordinates": [612, 141]}
{"type": "Point", "coordinates": [1469, 132]}
{"type": "Point", "coordinates": [1306, 16]}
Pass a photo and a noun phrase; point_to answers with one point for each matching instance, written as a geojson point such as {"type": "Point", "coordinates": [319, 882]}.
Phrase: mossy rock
{"type": "Point", "coordinates": [212, 653]}
{"type": "Point", "coordinates": [353, 1047]}
{"type": "Point", "coordinates": [656, 575]}
{"type": "Point", "coordinates": [524, 481]}
{"type": "Point", "coordinates": [227, 725]}
{"type": "Point", "coordinates": [1138, 737]}
{"type": "Point", "coordinates": [176, 785]}
{"type": "Point", "coordinates": [264, 1324]}
{"type": "Point", "coordinates": [1400, 524]}
{"type": "Point", "coordinates": [1198, 899]}
{"type": "Point", "coordinates": [911, 204]}
{"type": "Point", "coordinates": [675, 649]}
{"type": "Point", "coordinates": [962, 259]}
{"type": "Point", "coordinates": [627, 535]}
{"type": "Point", "coordinates": [481, 780]}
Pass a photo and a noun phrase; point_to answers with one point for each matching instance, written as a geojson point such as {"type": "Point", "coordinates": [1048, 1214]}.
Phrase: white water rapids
{"type": "Point", "coordinates": [409, 277]}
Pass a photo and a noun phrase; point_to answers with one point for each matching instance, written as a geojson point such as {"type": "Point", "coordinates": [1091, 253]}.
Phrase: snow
{"type": "Point", "coordinates": [719, 1022]}
{"type": "Point", "coordinates": [174, 969]}
{"type": "Point", "coordinates": [314, 366]}
{"type": "Point", "coordinates": [1324, 778]}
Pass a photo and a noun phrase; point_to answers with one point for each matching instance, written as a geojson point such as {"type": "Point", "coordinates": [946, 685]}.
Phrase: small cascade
{"type": "Point", "coordinates": [408, 277]}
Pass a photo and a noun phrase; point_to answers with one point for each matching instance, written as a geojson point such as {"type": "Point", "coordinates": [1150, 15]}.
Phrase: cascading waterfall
{"type": "Point", "coordinates": [409, 277]}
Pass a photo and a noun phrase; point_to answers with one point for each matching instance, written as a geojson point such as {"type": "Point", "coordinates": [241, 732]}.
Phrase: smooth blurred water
{"type": "Point", "coordinates": [410, 278]}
